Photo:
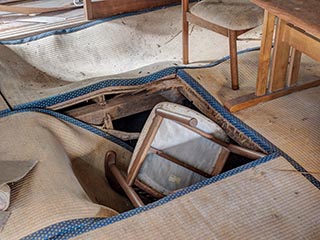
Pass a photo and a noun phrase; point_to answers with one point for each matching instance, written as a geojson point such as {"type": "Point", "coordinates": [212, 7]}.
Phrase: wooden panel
{"type": "Point", "coordinates": [303, 42]}
{"type": "Point", "coordinates": [302, 13]}
{"type": "Point", "coordinates": [280, 59]}
{"type": "Point", "coordinates": [116, 108]}
{"type": "Point", "coordinates": [102, 9]}
{"type": "Point", "coordinates": [294, 67]}
{"type": "Point", "coordinates": [265, 54]}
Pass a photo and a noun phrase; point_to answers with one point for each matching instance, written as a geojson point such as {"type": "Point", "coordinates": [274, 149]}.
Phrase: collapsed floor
{"type": "Point", "coordinates": [48, 76]}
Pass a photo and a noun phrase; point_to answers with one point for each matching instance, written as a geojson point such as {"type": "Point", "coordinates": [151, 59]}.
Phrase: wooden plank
{"type": "Point", "coordinates": [280, 59]}
{"type": "Point", "coordinates": [265, 53]}
{"type": "Point", "coordinates": [117, 108]}
{"type": "Point", "coordinates": [302, 13]}
{"type": "Point", "coordinates": [33, 29]}
{"type": "Point", "coordinates": [120, 107]}
{"type": "Point", "coordinates": [166, 82]}
{"type": "Point", "coordinates": [102, 9]}
{"type": "Point", "coordinates": [12, 1]}
{"type": "Point", "coordinates": [233, 59]}
{"type": "Point", "coordinates": [294, 67]}
{"type": "Point", "coordinates": [35, 10]}
{"type": "Point", "coordinates": [88, 9]}
{"type": "Point", "coordinates": [250, 100]}
{"type": "Point", "coordinates": [185, 32]}
{"type": "Point", "coordinates": [303, 42]}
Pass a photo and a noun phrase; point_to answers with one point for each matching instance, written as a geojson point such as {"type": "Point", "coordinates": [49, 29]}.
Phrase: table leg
{"type": "Point", "coordinates": [265, 53]}
{"type": "Point", "coordinates": [88, 9]}
{"type": "Point", "coordinates": [294, 67]}
{"type": "Point", "coordinates": [280, 59]}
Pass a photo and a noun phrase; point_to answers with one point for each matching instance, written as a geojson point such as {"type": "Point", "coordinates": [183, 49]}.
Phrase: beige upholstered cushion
{"type": "Point", "coordinates": [230, 14]}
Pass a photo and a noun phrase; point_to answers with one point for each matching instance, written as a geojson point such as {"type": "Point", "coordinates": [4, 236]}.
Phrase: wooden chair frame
{"type": "Point", "coordinates": [188, 17]}
{"type": "Point", "coordinates": [126, 183]}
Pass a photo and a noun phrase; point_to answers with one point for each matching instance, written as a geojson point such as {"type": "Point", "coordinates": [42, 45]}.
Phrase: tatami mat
{"type": "Point", "coordinates": [51, 192]}
{"type": "Point", "coordinates": [217, 80]}
{"type": "Point", "coordinates": [3, 104]}
{"type": "Point", "coordinates": [63, 62]}
{"type": "Point", "coordinates": [292, 123]}
{"type": "Point", "coordinates": [264, 202]}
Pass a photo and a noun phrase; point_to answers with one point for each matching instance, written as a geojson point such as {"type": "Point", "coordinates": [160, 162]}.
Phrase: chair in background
{"type": "Point", "coordinates": [230, 18]}
{"type": "Point", "coordinates": [177, 147]}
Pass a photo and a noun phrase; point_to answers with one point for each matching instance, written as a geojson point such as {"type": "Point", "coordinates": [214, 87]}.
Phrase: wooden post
{"type": "Point", "coordinates": [233, 59]}
{"type": "Point", "coordinates": [88, 9]}
{"type": "Point", "coordinates": [265, 53]}
{"type": "Point", "coordinates": [294, 67]}
{"type": "Point", "coordinates": [280, 59]}
{"type": "Point", "coordinates": [185, 32]}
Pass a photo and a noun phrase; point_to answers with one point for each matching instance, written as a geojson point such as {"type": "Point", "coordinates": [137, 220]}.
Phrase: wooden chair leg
{"type": "Point", "coordinates": [110, 162]}
{"type": "Point", "coordinates": [233, 59]}
{"type": "Point", "coordinates": [185, 32]}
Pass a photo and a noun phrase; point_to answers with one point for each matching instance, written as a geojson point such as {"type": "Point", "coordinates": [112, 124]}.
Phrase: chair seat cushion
{"type": "Point", "coordinates": [183, 144]}
{"type": "Point", "coordinates": [230, 14]}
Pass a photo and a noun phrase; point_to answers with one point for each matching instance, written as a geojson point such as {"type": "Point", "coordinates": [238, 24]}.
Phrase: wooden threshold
{"type": "Point", "coordinates": [252, 99]}
{"type": "Point", "coordinates": [33, 29]}
{"type": "Point", "coordinates": [107, 8]}
{"type": "Point", "coordinates": [35, 10]}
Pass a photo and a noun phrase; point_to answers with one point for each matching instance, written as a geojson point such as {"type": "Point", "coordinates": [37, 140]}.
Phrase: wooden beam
{"type": "Point", "coordinates": [165, 83]}
{"type": "Point", "coordinates": [294, 66]}
{"type": "Point", "coordinates": [250, 100]}
{"type": "Point", "coordinates": [88, 9]}
{"type": "Point", "coordinates": [280, 59]}
{"type": "Point", "coordinates": [102, 9]}
{"type": "Point", "coordinates": [185, 32]}
{"type": "Point", "coordinates": [265, 53]}
{"type": "Point", "coordinates": [303, 42]}
{"type": "Point", "coordinates": [35, 10]}
{"type": "Point", "coordinates": [118, 107]}
{"type": "Point", "coordinates": [233, 59]}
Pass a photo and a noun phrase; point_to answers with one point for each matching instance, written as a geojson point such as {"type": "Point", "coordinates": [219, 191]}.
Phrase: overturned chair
{"type": "Point", "coordinates": [177, 147]}
{"type": "Point", "coordinates": [230, 18]}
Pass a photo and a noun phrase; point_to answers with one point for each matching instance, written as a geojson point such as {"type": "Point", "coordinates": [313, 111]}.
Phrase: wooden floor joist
{"type": "Point", "coordinates": [118, 107]}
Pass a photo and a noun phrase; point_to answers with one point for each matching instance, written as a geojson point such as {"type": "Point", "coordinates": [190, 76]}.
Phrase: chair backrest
{"type": "Point", "coordinates": [175, 156]}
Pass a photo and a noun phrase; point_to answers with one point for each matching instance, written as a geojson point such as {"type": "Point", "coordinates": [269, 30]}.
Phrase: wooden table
{"type": "Point", "coordinates": [297, 30]}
